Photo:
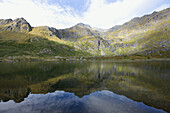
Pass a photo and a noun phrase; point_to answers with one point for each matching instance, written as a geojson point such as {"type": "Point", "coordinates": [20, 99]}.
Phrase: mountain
{"type": "Point", "coordinates": [148, 36]}
{"type": "Point", "coordinates": [77, 31]}
{"type": "Point", "coordinates": [19, 24]}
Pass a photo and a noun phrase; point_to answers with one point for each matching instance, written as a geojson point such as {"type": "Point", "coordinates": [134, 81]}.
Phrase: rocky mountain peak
{"type": "Point", "coordinates": [19, 19]}
{"type": "Point", "coordinates": [83, 25]}
{"type": "Point", "coordinates": [19, 24]}
{"type": "Point", "coordinates": [6, 21]}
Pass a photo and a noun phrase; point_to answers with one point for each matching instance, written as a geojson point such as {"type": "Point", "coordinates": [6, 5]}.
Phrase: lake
{"type": "Point", "coordinates": [85, 87]}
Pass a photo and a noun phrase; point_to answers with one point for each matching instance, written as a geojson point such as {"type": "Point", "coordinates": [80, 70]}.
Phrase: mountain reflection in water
{"type": "Point", "coordinates": [142, 81]}
{"type": "Point", "coordinates": [62, 102]}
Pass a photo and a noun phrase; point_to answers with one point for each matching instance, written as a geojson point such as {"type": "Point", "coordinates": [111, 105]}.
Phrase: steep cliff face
{"type": "Point", "coordinates": [146, 35]}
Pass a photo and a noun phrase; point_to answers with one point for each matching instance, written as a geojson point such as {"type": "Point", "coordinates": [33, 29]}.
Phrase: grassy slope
{"type": "Point", "coordinates": [149, 36]}
{"type": "Point", "coordinates": [145, 36]}
{"type": "Point", "coordinates": [19, 44]}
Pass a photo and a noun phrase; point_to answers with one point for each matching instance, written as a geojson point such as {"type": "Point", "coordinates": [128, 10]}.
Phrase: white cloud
{"type": "Point", "coordinates": [100, 13]}
{"type": "Point", "coordinates": [38, 13]}
{"type": "Point", "coordinates": [104, 15]}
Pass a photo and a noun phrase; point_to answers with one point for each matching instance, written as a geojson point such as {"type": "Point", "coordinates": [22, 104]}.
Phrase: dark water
{"type": "Point", "coordinates": [85, 87]}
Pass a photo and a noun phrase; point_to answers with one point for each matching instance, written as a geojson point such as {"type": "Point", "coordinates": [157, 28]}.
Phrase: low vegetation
{"type": "Point", "coordinates": [146, 37]}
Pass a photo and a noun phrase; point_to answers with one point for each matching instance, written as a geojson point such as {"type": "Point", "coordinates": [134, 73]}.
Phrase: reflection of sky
{"type": "Point", "coordinates": [60, 101]}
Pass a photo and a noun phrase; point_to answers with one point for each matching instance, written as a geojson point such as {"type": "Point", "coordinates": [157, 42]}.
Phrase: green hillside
{"type": "Point", "coordinates": [147, 36]}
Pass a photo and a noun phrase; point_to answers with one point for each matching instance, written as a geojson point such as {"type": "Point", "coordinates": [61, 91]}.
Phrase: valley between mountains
{"type": "Point", "coordinates": [143, 37]}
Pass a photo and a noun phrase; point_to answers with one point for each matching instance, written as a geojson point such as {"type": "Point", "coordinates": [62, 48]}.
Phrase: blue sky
{"type": "Point", "coordinates": [66, 13]}
{"type": "Point", "coordinates": [79, 6]}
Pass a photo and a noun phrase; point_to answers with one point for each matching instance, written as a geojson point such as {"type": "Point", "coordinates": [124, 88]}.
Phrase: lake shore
{"type": "Point", "coordinates": [82, 58]}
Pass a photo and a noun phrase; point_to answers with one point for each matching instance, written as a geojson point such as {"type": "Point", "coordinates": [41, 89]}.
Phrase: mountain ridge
{"type": "Point", "coordinates": [145, 36]}
{"type": "Point", "coordinates": [82, 24]}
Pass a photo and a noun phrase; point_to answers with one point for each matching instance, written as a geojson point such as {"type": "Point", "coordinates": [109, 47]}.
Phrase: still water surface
{"type": "Point", "coordinates": [85, 87]}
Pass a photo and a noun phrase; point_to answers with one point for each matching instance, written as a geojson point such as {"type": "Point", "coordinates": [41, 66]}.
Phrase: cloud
{"type": "Point", "coordinates": [105, 15]}
{"type": "Point", "coordinates": [38, 13]}
{"type": "Point", "coordinates": [99, 13]}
